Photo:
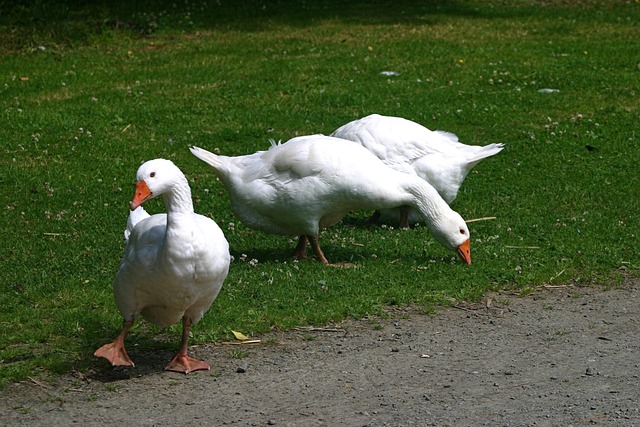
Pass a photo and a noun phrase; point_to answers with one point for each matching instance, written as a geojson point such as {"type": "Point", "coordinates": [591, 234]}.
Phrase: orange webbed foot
{"type": "Point", "coordinates": [115, 353]}
{"type": "Point", "coordinates": [185, 364]}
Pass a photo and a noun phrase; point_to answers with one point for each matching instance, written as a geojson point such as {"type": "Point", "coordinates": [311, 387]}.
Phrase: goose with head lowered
{"type": "Point", "coordinates": [311, 182]}
{"type": "Point", "coordinates": [435, 156]}
{"type": "Point", "coordinates": [173, 266]}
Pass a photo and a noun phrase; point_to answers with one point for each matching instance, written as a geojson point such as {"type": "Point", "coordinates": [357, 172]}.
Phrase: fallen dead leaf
{"type": "Point", "coordinates": [240, 336]}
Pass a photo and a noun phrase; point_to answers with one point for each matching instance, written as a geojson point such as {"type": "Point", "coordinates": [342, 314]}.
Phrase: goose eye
{"type": "Point", "coordinates": [152, 174]}
{"type": "Point", "coordinates": [462, 231]}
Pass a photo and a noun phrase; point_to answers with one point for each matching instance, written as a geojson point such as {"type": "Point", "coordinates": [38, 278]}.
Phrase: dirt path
{"type": "Point", "coordinates": [564, 356]}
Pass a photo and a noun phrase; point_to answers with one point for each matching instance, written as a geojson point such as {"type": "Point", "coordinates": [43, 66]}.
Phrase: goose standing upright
{"type": "Point", "coordinates": [311, 182]}
{"type": "Point", "coordinates": [435, 156]}
{"type": "Point", "coordinates": [173, 266]}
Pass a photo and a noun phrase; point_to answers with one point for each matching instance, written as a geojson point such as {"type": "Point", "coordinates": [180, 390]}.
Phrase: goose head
{"type": "Point", "coordinates": [154, 178]}
{"type": "Point", "coordinates": [452, 232]}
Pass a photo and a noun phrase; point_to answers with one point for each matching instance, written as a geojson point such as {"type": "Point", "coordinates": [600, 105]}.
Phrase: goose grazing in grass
{"type": "Point", "coordinates": [173, 266]}
{"type": "Point", "coordinates": [311, 182]}
{"type": "Point", "coordinates": [435, 156]}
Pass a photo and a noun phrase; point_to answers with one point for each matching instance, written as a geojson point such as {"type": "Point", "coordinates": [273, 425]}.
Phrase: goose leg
{"type": "Point", "coordinates": [181, 362]}
{"type": "Point", "coordinates": [322, 258]}
{"type": "Point", "coordinates": [301, 249]}
{"type": "Point", "coordinates": [114, 352]}
{"type": "Point", "coordinates": [317, 250]}
{"type": "Point", "coordinates": [404, 216]}
{"type": "Point", "coordinates": [373, 220]}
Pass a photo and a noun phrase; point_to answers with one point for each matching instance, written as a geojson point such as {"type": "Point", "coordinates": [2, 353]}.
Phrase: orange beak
{"type": "Point", "coordinates": [464, 252]}
{"type": "Point", "coordinates": [141, 195]}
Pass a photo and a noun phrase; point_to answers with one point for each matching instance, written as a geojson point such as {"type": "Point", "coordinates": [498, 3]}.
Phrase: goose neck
{"type": "Point", "coordinates": [429, 202]}
{"type": "Point", "coordinates": [178, 199]}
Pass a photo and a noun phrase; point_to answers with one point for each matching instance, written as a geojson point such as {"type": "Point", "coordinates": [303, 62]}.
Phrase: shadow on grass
{"type": "Point", "coordinates": [68, 22]}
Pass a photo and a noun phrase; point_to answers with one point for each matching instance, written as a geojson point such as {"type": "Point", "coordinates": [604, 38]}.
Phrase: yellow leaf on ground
{"type": "Point", "coordinates": [240, 336]}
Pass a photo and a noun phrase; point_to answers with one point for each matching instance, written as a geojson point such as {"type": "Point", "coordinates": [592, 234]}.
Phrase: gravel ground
{"type": "Point", "coordinates": [566, 356]}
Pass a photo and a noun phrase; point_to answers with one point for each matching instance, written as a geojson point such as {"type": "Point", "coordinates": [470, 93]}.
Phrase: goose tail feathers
{"type": "Point", "coordinates": [206, 156]}
{"type": "Point", "coordinates": [486, 151]}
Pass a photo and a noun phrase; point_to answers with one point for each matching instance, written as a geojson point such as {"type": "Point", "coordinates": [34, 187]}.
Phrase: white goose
{"type": "Point", "coordinates": [173, 265]}
{"type": "Point", "coordinates": [311, 182]}
{"type": "Point", "coordinates": [435, 156]}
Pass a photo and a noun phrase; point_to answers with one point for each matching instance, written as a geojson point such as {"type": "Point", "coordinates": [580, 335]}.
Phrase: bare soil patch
{"type": "Point", "coordinates": [563, 356]}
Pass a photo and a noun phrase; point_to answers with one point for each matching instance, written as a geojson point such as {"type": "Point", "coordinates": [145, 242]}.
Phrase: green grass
{"type": "Point", "coordinates": [87, 93]}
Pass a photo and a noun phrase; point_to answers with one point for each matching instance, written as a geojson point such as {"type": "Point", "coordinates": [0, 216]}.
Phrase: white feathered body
{"type": "Point", "coordinates": [435, 156]}
{"type": "Point", "coordinates": [312, 182]}
{"type": "Point", "coordinates": [173, 264]}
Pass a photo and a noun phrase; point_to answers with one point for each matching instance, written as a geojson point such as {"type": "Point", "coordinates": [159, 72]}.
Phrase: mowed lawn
{"type": "Point", "coordinates": [87, 93]}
